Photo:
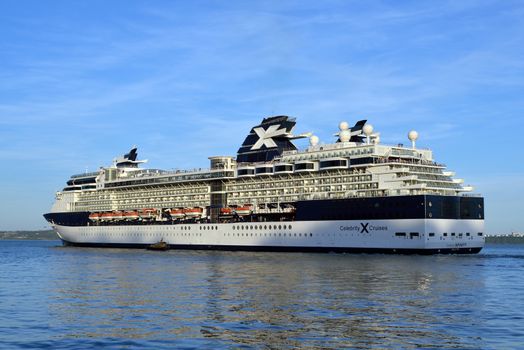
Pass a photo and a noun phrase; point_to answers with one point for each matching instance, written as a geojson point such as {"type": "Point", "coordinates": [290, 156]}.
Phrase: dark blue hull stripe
{"type": "Point", "coordinates": [473, 250]}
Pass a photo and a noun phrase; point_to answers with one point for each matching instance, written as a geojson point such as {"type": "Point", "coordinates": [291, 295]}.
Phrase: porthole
{"type": "Point", "coordinates": [280, 227]}
{"type": "Point", "coordinates": [290, 227]}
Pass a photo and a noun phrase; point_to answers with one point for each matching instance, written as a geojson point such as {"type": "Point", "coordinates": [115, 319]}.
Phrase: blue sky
{"type": "Point", "coordinates": [83, 81]}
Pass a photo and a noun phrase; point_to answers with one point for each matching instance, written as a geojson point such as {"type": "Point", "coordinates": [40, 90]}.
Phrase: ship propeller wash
{"type": "Point", "coordinates": [353, 195]}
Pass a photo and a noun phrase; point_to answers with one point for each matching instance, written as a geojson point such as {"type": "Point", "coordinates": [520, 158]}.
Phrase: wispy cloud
{"type": "Point", "coordinates": [173, 76]}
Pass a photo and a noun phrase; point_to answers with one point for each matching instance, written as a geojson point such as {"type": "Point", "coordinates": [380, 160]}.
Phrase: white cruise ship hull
{"type": "Point", "coordinates": [422, 236]}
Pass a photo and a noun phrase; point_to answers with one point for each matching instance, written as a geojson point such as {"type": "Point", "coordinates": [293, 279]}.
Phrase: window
{"type": "Point", "coordinates": [431, 234]}
{"type": "Point", "coordinates": [304, 166]}
{"type": "Point", "coordinates": [445, 234]}
{"type": "Point", "coordinates": [413, 234]}
{"type": "Point", "coordinates": [479, 234]}
{"type": "Point", "coordinates": [400, 234]}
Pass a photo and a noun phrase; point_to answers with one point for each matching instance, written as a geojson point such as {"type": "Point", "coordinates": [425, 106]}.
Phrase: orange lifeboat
{"type": "Point", "coordinates": [94, 216]}
{"type": "Point", "coordinates": [226, 211]}
{"type": "Point", "coordinates": [131, 215]}
{"type": "Point", "coordinates": [148, 213]}
{"type": "Point", "coordinates": [193, 212]}
{"type": "Point", "coordinates": [107, 216]}
{"type": "Point", "coordinates": [244, 210]}
{"type": "Point", "coordinates": [177, 213]}
{"type": "Point", "coordinates": [118, 215]}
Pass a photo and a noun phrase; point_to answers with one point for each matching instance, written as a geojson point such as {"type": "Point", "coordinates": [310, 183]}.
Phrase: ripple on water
{"type": "Point", "coordinates": [79, 298]}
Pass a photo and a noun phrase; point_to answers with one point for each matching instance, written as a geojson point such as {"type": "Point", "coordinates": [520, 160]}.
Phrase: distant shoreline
{"type": "Point", "coordinates": [40, 235]}
{"type": "Point", "coordinates": [50, 235]}
{"type": "Point", "coordinates": [505, 239]}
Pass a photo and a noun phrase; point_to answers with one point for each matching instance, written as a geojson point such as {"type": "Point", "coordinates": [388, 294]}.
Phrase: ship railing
{"type": "Point", "coordinates": [157, 172]}
{"type": "Point", "coordinates": [86, 174]}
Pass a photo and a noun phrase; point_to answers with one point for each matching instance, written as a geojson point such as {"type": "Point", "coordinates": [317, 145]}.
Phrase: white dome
{"type": "Point", "coordinates": [367, 129]}
{"type": "Point", "coordinates": [313, 140]}
{"type": "Point", "coordinates": [344, 135]}
{"type": "Point", "coordinates": [412, 135]}
{"type": "Point", "coordinates": [343, 126]}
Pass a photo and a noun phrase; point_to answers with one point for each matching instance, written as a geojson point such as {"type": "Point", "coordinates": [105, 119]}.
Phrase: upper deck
{"type": "Point", "coordinates": [273, 171]}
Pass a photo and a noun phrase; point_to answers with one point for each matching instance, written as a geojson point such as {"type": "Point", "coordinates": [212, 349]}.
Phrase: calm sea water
{"type": "Point", "coordinates": [85, 298]}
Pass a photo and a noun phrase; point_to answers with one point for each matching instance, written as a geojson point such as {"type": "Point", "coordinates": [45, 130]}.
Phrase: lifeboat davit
{"type": "Point", "coordinates": [244, 210]}
{"type": "Point", "coordinates": [131, 215]}
{"type": "Point", "coordinates": [94, 216]}
{"type": "Point", "coordinates": [193, 212]}
{"type": "Point", "coordinates": [177, 213]}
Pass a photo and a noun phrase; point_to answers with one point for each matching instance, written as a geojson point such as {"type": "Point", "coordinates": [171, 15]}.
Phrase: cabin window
{"type": "Point", "coordinates": [400, 234]}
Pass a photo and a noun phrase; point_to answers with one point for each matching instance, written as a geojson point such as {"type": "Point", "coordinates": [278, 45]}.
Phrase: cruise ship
{"type": "Point", "coordinates": [354, 194]}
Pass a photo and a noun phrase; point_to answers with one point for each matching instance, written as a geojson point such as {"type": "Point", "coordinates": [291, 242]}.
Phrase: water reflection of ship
{"type": "Point", "coordinates": [279, 300]}
{"type": "Point", "coordinates": [355, 301]}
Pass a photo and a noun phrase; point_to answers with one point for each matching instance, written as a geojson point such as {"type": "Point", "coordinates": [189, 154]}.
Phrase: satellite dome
{"type": "Point", "coordinates": [344, 135]}
{"type": "Point", "coordinates": [367, 129]}
{"type": "Point", "coordinates": [343, 126]}
{"type": "Point", "coordinates": [413, 135]}
{"type": "Point", "coordinates": [313, 140]}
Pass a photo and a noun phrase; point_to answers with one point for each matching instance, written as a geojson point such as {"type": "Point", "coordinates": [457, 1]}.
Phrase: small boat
{"type": "Point", "coordinates": [118, 215]}
{"type": "Point", "coordinates": [106, 216]}
{"type": "Point", "coordinates": [244, 210]}
{"type": "Point", "coordinates": [94, 216]}
{"type": "Point", "coordinates": [160, 245]}
{"type": "Point", "coordinates": [148, 213]}
{"type": "Point", "coordinates": [226, 211]}
{"type": "Point", "coordinates": [177, 213]}
{"type": "Point", "coordinates": [131, 215]}
{"type": "Point", "coordinates": [193, 212]}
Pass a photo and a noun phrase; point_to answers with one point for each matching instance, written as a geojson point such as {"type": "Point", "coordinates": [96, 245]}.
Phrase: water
{"type": "Point", "coordinates": [84, 298]}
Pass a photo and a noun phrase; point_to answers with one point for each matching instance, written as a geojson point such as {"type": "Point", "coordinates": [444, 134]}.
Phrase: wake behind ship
{"type": "Point", "coordinates": [353, 195]}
